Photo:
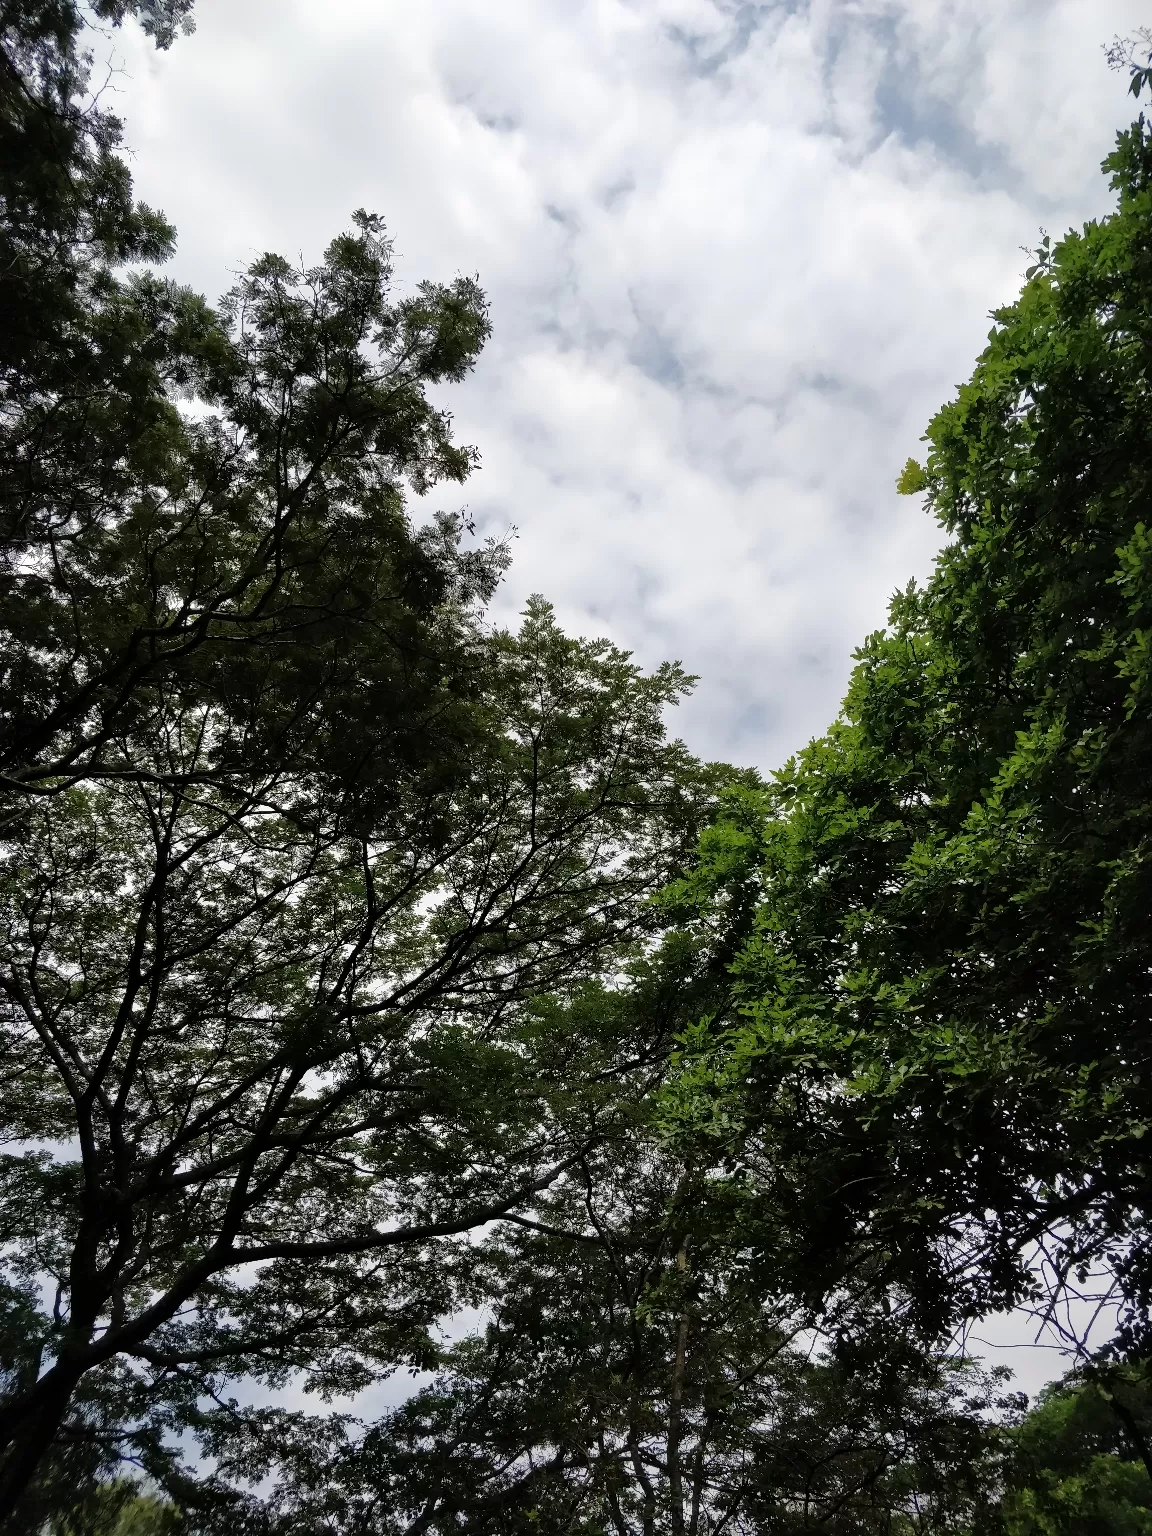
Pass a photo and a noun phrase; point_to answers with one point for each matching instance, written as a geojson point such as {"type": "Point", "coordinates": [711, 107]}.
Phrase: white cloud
{"type": "Point", "coordinates": [737, 255]}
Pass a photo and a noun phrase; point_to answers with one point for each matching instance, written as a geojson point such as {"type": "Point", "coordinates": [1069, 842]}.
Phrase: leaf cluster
{"type": "Point", "coordinates": [939, 908]}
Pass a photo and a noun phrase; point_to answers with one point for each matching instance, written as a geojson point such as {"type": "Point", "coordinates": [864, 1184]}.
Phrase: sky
{"type": "Point", "coordinates": [737, 254]}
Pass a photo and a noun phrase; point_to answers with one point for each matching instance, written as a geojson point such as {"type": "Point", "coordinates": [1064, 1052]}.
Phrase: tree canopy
{"type": "Point", "coordinates": [944, 965]}
{"type": "Point", "coordinates": [292, 839]}
{"type": "Point", "coordinates": [635, 1377]}
{"type": "Point", "coordinates": [365, 966]}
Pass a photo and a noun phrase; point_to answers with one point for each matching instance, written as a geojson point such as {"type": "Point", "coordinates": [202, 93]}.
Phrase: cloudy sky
{"type": "Point", "coordinates": [737, 253]}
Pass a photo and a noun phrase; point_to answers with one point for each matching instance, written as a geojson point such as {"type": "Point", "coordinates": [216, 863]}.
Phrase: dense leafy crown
{"type": "Point", "coordinates": [291, 839]}
{"type": "Point", "coordinates": [946, 977]}
{"type": "Point", "coordinates": [344, 940]}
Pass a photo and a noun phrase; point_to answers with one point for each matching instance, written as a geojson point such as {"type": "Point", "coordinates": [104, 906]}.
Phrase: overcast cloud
{"type": "Point", "coordinates": [737, 254]}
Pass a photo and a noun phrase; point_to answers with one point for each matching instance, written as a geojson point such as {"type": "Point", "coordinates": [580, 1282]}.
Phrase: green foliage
{"type": "Point", "coordinates": [911, 479]}
{"type": "Point", "coordinates": [292, 843]}
{"type": "Point", "coordinates": [1074, 1465]}
{"type": "Point", "coordinates": [944, 972]}
{"type": "Point", "coordinates": [207, 508]}
{"type": "Point", "coordinates": [639, 1375]}
{"type": "Point", "coordinates": [274, 1040]}
{"type": "Point", "coordinates": [344, 942]}
{"type": "Point", "coordinates": [114, 1508]}
{"type": "Point", "coordinates": [66, 194]}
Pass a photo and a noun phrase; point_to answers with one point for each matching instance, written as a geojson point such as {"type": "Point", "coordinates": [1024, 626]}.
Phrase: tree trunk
{"type": "Point", "coordinates": [648, 1493]}
{"type": "Point", "coordinates": [27, 1445]}
{"type": "Point", "coordinates": [676, 1410]}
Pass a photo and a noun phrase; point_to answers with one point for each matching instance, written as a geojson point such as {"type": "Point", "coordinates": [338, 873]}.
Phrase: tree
{"type": "Point", "coordinates": [1075, 1464]}
{"type": "Point", "coordinates": [640, 1374]}
{"type": "Point", "coordinates": [252, 555]}
{"type": "Point", "coordinates": [946, 968]}
{"type": "Point", "coordinates": [291, 839]}
{"type": "Point", "coordinates": [277, 1058]}
{"type": "Point", "coordinates": [68, 212]}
